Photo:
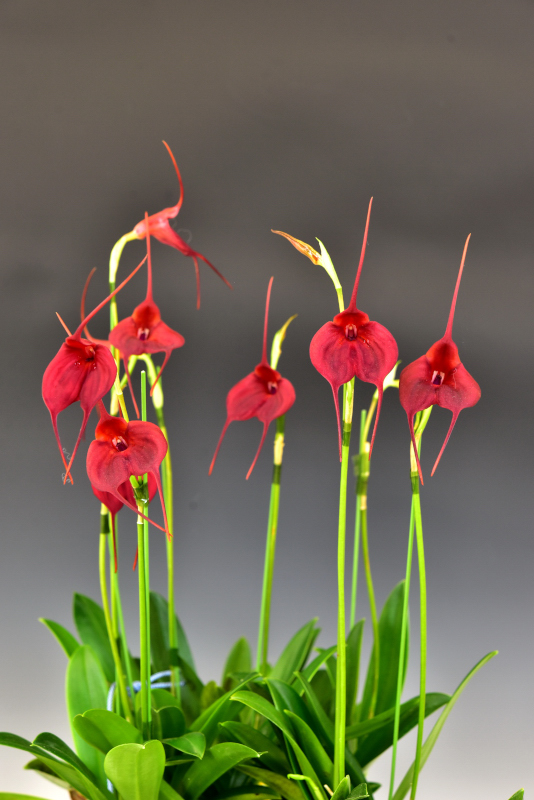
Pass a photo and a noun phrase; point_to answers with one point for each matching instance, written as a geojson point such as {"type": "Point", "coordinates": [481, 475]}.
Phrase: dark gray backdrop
{"type": "Point", "coordinates": [282, 115]}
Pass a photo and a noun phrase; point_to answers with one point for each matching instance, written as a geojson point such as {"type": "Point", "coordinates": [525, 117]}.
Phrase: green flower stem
{"type": "Point", "coordinates": [114, 259]}
{"type": "Point", "coordinates": [270, 549]}
{"type": "Point", "coordinates": [372, 600]}
{"type": "Point", "coordinates": [112, 640]}
{"type": "Point", "coordinates": [341, 666]}
{"type": "Point", "coordinates": [423, 625]}
{"type": "Point", "coordinates": [357, 521]}
{"type": "Point", "coordinates": [144, 590]}
{"type": "Point", "coordinates": [116, 605]}
{"type": "Point", "coordinates": [402, 651]}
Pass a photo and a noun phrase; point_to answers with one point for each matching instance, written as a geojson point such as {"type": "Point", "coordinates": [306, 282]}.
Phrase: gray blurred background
{"type": "Point", "coordinates": [285, 115]}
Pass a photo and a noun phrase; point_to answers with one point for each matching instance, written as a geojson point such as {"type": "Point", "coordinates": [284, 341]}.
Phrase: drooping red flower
{"type": "Point", "coordinates": [82, 370]}
{"type": "Point", "coordinates": [114, 505]}
{"type": "Point", "coordinates": [158, 225]}
{"type": "Point", "coordinates": [438, 378]}
{"type": "Point", "coordinates": [263, 394]}
{"type": "Point", "coordinates": [145, 332]}
{"type": "Point", "coordinates": [123, 449]}
{"type": "Point", "coordinates": [354, 346]}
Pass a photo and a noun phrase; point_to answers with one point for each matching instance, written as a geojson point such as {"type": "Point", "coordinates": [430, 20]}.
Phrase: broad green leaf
{"type": "Point", "coordinates": [381, 734]}
{"type": "Point", "coordinates": [354, 646]}
{"type": "Point", "coordinates": [250, 792]}
{"type": "Point", "coordinates": [239, 660]}
{"type": "Point", "coordinates": [105, 730]}
{"type": "Point", "coordinates": [271, 755]}
{"type": "Point", "coordinates": [278, 782]}
{"type": "Point", "coordinates": [315, 665]}
{"type": "Point", "coordinates": [168, 722]}
{"type": "Point", "coordinates": [193, 743]}
{"type": "Point", "coordinates": [63, 636]}
{"type": "Point", "coordinates": [217, 760]}
{"type": "Point", "coordinates": [431, 739]}
{"type": "Point", "coordinates": [91, 626]}
{"type": "Point", "coordinates": [389, 640]}
{"type": "Point", "coordinates": [162, 698]}
{"type": "Point", "coordinates": [318, 757]}
{"type": "Point", "coordinates": [295, 652]}
{"type": "Point", "coordinates": [159, 635]}
{"type": "Point", "coordinates": [210, 694]}
{"type": "Point", "coordinates": [86, 688]}
{"type": "Point", "coordinates": [221, 710]}
{"type": "Point", "coordinates": [518, 795]}
{"type": "Point", "coordinates": [136, 770]}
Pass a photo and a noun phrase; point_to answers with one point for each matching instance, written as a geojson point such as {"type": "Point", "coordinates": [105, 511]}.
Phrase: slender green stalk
{"type": "Point", "coordinates": [144, 592]}
{"type": "Point", "coordinates": [372, 602]}
{"type": "Point", "coordinates": [116, 605]}
{"type": "Point", "coordinates": [270, 549]}
{"type": "Point", "coordinates": [423, 634]}
{"type": "Point", "coordinates": [341, 664]}
{"type": "Point", "coordinates": [402, 651]}
{"type": "Point", "coordinates": [112, 640]}
{"type": "Point", "coordinates": [357, 520]}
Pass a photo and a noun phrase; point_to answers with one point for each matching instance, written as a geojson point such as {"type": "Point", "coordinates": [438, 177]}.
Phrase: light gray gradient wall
{"type": "Point", "coordinates": [285, 115]}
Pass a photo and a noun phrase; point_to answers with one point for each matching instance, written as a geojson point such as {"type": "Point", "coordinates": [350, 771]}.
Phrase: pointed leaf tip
{"type": "Point", "coordinates": [280, 335]}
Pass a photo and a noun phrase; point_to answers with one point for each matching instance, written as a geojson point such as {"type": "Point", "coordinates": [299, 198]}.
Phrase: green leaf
{"type": "Point", "coordinates": [359, 791]}
{"type": "Point", "coordinates": [159, 635]}
{"type": "Point", "coordinates": [13, 796]}
{"type": "Point", "coordinates": [318, 757]}
{"type": "Point", "coordinates": [327, 728]}
{"type": "Point", "coordinates": [46, 772]}
{"type": "Point", "coordinates": [262, 706]}
{"type": "Point", "coordinates": [168, 722]}
{"type": "Point", "coordinates": [105, 730]}
{"type": "Point", "coordinates": [239, 660]}
{"type": "Point", "coordinates": [75, 779]}
{"type": "Point", "coordinates": [315, 665]}
{"type": "Point", "coordinates": [63, 636]}
{"type": "Point", "coordinates": [55, 746]}
{"type": "Point", "coordinates": [217, 760]}
{"type": "Point", "coordinates": [518, 795]}
{"type": "Point", "coordinates": [285, 697]}
{"type": "Point", "coordinates": [193, 743]}
{"type": "Point", "coordinates": [354, 646]}
{"type": "Point", "coordinates": [389, 639]}
{"type": "Point", "coordinates": [381, 726]}
{"type": "Point", "coordinates": [271, 755]}
{"type": "Point", "coordinates": [166, 792]}
{"type": "Point", "coordinates": [221, 710]}
{"type": "Point", "coordinates": [136, 770]}
{"type": "Point", "coordinates": [286, 788]}
{"type": "Point", "coordinates": [249, 791]}
{"type": "Point", "coordinates": [86, 688]}
{"type": "Point", "coordinates": [295, 652]}
{"type": "Point", "coordinates": [431, 739]}
{"type": "Point", "coordinates": [91, 626]}
{"type": "Point", "coordinates": [343, 789]}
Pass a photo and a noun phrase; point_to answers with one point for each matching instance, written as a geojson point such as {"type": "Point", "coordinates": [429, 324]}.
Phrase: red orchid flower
{"type": "Point", "coordinates": [263, 394]}
{"type": "Point", "coordinates": [438, 378]}
{"type": "Point", "coordinates": [158, 225]}
{"type": "Point", "coordinates": [114, 505]}
{"type": "Point", "coordinates": [123, 449]}
{"type": "Point", "coordinates": [145, 332]}
{"type": "Point", "coordinates": [82, 370]}
{"type": "Point", "coordinates": [354, 346]}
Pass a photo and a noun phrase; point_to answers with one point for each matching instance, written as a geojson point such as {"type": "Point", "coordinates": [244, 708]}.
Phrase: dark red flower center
{"type": "Point", "coordinates": [443, 358]}
{"type": "Point", "coordinates": [143, 334]}
{"type": "Point", "coordinates": [350, 323]}
{"type": "Point", "coordinates": [270, 377]}
{"type": "Point", "coordinates": [351, 332]}
{"type": "Point", "coordinates": [437, 378]}
{"type": "Point", "coordinates": [119, 443]}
